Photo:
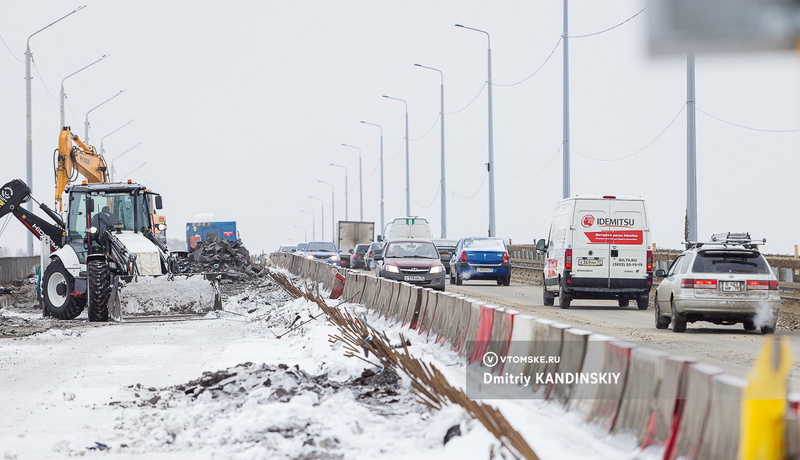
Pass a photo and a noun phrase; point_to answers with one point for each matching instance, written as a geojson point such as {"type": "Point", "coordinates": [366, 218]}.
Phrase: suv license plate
{"type": "Point", "coordinates": [731, 286]}
{"type": "Point", "coordinates": [413, 278]}
{"type": "Point", "coordinates": [484, 270]}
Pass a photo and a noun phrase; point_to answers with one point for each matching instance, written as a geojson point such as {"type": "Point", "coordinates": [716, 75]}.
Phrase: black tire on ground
{"type": "Point", "coordinates": [459, 280]}
{"type": "Point", "coordinates": [678, 322]}
{"type": "Point", "coordinates": [642, 302]}
{"type": "Point", "coordinates": [623, 302]}
{"type": "Point", "coordinates": [99, 280]}
{"type": "Point", "coordinates": [57, 284]}
{"type": "Point", "coordinates": [749, 325]}
{"type": "Point", "coordinates": [564, 299]}
{"type": "Point", "coordinates": [768, 329]}
{"type": "Point", "coordinates": [500, 282]}
{"type": "Point", "coordinates": [661, 321]}
{"type": "Point", "coordinates": [548, 298]}
{"type": "Point", "coordinates": [507, 281]}
{"type": "Point", "coordinates": [452, 278]}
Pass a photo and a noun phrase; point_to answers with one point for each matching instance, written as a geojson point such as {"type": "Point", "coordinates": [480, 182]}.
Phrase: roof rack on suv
{"type": "Point", "coordinates": [729, 239]}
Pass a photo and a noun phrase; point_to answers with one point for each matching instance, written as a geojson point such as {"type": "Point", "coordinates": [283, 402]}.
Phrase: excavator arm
{"type": "Point", "coordinates": [13, 195]}
{"type": "Point", "coordinates": [72, 159]}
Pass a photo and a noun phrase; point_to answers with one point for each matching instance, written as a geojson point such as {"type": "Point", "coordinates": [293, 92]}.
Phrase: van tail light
{"type": "Point", "coordinates": [649, 260]}
{"type": "Point", "coordinates": [505, 258]}
{"type": "Point", "coordinates": [356, 256]}
{"type": "Point", "coordinates": [762, 285]}
{"type": "Point", "coordinates": [463, 257]}
{"type": "Point", "coordinates": [568, 259]}
{"type": "Point", "coordinates": [689, 283]}
{"type": "Point", "coordinates": [370, 254]}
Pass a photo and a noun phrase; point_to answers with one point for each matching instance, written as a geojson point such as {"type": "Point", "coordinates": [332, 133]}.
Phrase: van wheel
{"type": "Point", "coordinates": [643, 302]}
{"type": "Point", "coordinates": [623, 302]}
{"type": "Point", "coordinates": [749, 325]}
{"type": "Point", "coordinates": [548, 298]}
{"type": "Point", "coordinates": [564, 299]}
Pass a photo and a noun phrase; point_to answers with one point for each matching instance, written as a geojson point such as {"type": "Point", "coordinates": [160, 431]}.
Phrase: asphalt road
{"type": "Point", "coordinates": [729, 347]}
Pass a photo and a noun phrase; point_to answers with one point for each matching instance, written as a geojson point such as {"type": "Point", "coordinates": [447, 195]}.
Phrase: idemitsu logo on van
{"type": "Point", "coordinates": [609, 222]}
{"type": "Point", "coordinates": [587, 221]}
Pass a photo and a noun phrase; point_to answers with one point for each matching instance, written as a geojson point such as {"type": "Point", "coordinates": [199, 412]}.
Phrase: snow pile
{"type": "Point", "coordinates": [145, 295]}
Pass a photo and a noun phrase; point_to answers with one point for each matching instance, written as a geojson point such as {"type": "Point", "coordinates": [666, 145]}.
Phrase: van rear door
{"type": "Point", "coordinates": [628, 239]}
{"type": "Point", "coordinates": [590, 249]}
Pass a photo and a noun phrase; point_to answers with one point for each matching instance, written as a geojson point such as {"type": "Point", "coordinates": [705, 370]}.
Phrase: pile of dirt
{"type": "Point", "coordinates": [220, 255]}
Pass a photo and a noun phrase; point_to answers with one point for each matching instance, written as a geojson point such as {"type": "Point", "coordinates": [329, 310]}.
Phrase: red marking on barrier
{"type": "Point", "coordinates": [483, 335]}
{"type": "Point", "coordinates": [338, 284]}
{"type": "Point", "coordinates": [508, 326]}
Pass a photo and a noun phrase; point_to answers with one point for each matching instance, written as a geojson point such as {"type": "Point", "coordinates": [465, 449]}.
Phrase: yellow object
{"type": "Point", "coordinates": [764, 402]}
{"type": "Point", "coordinates": [72, 159]}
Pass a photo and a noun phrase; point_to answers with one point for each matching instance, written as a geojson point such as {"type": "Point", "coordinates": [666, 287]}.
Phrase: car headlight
{"type": "Point", "coordinates": [91, 230]}
{"type": "Point", "coordinates": [334, 257]}
{"type": "Point", "coordinates": [161, 227]}
{"type": "Point", "coordinates": [392, 269]}
{"type": "Point", "coordinates": [436, 269]}
{"type": "Point", "coordinates": [309, 257]}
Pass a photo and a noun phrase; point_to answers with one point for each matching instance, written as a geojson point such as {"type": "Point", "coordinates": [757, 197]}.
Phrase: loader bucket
{"type": "Point", "coordinates": [164, 297]}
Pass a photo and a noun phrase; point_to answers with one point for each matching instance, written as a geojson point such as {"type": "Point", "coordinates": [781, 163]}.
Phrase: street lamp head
{"type": "Point", "coordinates": [417, 65]}
{"type": "Point", "coordinates": [459, 25]}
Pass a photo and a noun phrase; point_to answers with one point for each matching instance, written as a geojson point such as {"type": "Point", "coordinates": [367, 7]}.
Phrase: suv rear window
{"type": "Point", "coordinates": [730, 262]}
{"type": "Point", "coordinates": [361, 249]}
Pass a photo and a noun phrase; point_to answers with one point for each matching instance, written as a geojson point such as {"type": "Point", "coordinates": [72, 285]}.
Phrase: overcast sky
{"type": "Point", "coordinates": [241, 106]}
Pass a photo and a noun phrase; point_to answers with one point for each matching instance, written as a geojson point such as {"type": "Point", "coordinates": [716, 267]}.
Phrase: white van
{"type": "Point", "coordinates": [407, 227]}
{"type": "Point", "coordinates": [598, 248]}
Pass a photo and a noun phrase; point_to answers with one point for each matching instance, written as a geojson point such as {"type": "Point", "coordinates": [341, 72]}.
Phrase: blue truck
{"type": "Point", "coordinates": [201, 231]}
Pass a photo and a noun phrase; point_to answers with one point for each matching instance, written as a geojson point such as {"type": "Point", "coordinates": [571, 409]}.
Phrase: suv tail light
{"type": "Point", "coordinates": [761, 285]}
{"type": "Point", "coordinates": [505, 258]}
{"type": "Point", "coordinates": [370, 254]}
{"type": "Point", "coordinates": [649, 260]}
{"type": "Point", "coordinates": [463, 257]}
{"type": "Point", "coordinates": [568, 259]}
{"type": "Point", "coordinates": [689, 283]}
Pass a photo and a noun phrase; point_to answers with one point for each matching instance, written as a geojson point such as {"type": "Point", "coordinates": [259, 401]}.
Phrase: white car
{"type": "Point", "coordinates": [725, 281]}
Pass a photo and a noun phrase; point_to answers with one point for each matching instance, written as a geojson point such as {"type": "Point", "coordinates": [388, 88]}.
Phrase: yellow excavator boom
{"type": "Point", "coordinates": [80, 158]}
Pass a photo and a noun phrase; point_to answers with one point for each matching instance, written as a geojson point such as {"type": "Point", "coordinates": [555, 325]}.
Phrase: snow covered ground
{"type": "Point", "coordinates": [226, 387]}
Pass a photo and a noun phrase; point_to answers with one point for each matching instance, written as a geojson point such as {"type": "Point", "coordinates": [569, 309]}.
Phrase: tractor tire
{"type": "Point", "coordinates": [99, 280]}
{"type": "Point", "coordinates": [57, 284]}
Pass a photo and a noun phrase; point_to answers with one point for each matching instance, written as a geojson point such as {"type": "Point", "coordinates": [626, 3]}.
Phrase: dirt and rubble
{"type": "Point", "coordinates": [219, 255]}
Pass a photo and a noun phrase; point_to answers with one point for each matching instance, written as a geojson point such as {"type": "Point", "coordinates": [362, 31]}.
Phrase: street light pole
{"type": "Point", "coordinates": [490, 165]}
{"type": "Point", "coordinates": [381, 128]}
{"type": "Point", "coordinates": [305, 232]}
{"type": "Point", "coordinates": [333, 209]}
{"type": "Point", "coordinates": [322, 212]}
{"type": "Point", "coordinates": [442, 182]}
{"type": "Point", "coordinates": [360, 183]}
{"type": "Point", "coordinates": [102, 150]}
{"type": "Point", "coordinates": [29, 120]}
{"type": "Point", "coordinates": [64, 96]}
{"type": "Point", "coordinates": [408, 174]}
{"type": "Point", "coordinates": [138, 168]}
{"type": "Point", "coordinates": [346, 207]}
{"type": "Point", "coordinates": [565, 150]}
{"type": "Point", "coordinates": [313, 224]}
{"type": "Point", "coordinates": [86, 120]}
{"type": "Point", "coordinates": [113, 170]}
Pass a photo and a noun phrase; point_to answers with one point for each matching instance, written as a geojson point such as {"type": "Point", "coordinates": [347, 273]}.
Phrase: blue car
{"type": "Point", "coordinates": [323, 251]}
{"type": "Point", "coordinates": [480, 258]}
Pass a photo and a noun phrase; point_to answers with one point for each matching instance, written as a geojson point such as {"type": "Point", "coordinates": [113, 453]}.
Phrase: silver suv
{"type": "Point", "coordinates": [724, 281]}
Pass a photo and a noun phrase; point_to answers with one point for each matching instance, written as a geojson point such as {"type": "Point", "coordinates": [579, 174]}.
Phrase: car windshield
{"type": "Point", "coordinates": [492, 244]}
{"type": "Point", "coordinates": [301, 247]}
{"type": "Point", "coordinates": [730, 262]}
{"type": "Point", "coordinates": [321, 247]}
{"type": "Point", "coordinates": [411, 250]}
{"type": "Point", "coordinates": [361, 249]}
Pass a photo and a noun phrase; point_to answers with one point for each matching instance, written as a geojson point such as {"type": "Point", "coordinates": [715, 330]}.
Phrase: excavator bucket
{"type": "Point", "coordinates": [164, 297]}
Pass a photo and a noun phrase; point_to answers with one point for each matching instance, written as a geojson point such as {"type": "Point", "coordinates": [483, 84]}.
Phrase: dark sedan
{"type": "Point", "coordinates": [357, 259]}
{"type": "Point", "coordinates": [481, 259]}
{"type": "Point", "coordinates": [413, 261]}
{"type": "Point", "coordinates": [446, 249]}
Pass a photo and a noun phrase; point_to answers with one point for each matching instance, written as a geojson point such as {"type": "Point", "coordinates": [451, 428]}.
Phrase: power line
{"type": "Point", "coordinates": [537, 173]}
{"type": "Point", "coordinates": [485, 173]}
{"type": "Point", "coordinates": [9, 50]}
{"type": "Point", "coordinates": [47, 90]}
{"type": "Point", "coordinates": [435, 195]}
{"type": "Point", "coordinates": [538, 68]}
{"type": "Point", "coordinates": [470, 102]}
{"type": "Point", "coordinates": [610, 28]}
{"type": "Point", "coordinates": [641, 149]}
{"type": "Point", "coordinates": [747, 127]}
{"type": "Point", "coordinates": [435, 122]}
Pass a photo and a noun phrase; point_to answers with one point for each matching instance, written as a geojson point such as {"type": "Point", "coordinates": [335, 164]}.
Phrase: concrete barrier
{"type": "Point", "coordinates": [371, 291]}
{"type": "Point", "coordinates": [461, 314]}
{"type": "Point", "coordinates": [402, 303]}
{"type": "Point", "coordinates": [414, 305]}
{"type": "Point", "coordinates": [584, 395]}
{"type": "Point", "coordinates": [471, 331]}
{"type": "Point", "coordinates": [721, 439]}
{"type": "Point", "coordinates": [792, 420]}
{"type": "Point", "coordinates": [541, 330]}
{"type": "Point", "coordinates": [689, 436]}
{"type": "Point", "coordinates": [386, 296]}
{"type": "Point", "coordinates": [644, 377]}
{"type": "Point", "coordinates": [426, 295]}
{"type": "Point", "coordinates": [483, 335]}
{"type": "Point", "coordinates": [669, 401]}
{"type": "Point", "coordinates": [572, 356]}
{"type": "Point", "coordinates": [553, 349]}
{"type": "Point", "coordinates": [606, 405]}
{"type": "Point", "coordinates": [349, 286]}
{"type": "Point", "coordinates": [520, 343]}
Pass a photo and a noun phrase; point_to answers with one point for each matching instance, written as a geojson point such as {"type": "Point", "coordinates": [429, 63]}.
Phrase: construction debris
{"type": "Point", "coordinates": [220, 255]}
